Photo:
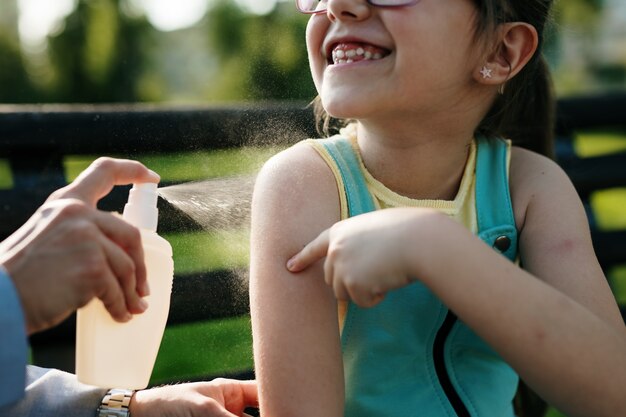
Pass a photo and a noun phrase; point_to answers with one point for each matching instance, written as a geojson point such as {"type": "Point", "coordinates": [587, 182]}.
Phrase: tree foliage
{"type": "Point", "coordinates": [105, 54]}
{"type": "Point", "coordinates": [263, 57]}
{"type": "Point", "coordinates": [100, 55]}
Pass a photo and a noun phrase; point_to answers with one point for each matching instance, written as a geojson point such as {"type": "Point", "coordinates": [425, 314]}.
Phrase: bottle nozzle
{"type": "Point", "coordinates": [141, 209]}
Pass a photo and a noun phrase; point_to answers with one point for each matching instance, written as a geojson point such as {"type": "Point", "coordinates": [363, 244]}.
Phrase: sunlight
{"type": "Point", "coordinates": [39, 18]}
{"type": "Point", "coordinates": [168, 15]}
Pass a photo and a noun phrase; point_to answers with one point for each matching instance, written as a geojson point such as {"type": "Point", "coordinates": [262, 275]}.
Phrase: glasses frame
{"type": "Point", "coordinates": [370, 2]}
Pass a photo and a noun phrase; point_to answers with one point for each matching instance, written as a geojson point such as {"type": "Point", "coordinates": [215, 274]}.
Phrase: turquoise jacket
{"type": "Point", "coordinates": [410, 355]}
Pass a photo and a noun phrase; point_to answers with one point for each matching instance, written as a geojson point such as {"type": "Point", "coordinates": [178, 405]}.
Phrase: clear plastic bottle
{"type": "Point", "coordinates": [122, 355]}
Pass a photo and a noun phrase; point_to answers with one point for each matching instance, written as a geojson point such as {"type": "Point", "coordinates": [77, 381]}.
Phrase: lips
{"type": "Point", "coordinates": [347, 52]}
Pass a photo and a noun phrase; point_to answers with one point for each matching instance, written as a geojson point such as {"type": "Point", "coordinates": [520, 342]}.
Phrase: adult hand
{"type": "Point", "coordinates": [217, 398]}
{"type": "Point", "coordinates": [69, 252]}
{"type": "Point", "coordinates": [367, 255]}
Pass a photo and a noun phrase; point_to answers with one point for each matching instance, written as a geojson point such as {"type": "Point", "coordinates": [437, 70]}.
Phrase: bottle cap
{"type": "Point", "coordinates": [141, 208]}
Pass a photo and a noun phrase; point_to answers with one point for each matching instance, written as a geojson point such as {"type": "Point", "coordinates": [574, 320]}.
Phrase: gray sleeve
{"type": "Point", "coordinates": [50, 392]}
{"type": "Point", "coordinates": [13, 344]}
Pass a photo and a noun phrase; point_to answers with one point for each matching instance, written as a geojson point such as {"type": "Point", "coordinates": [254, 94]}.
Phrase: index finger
{"type": "Point", "coordinates": [250, 393]}
{"type": "Point", "coordinates": [311, 253]}
{"type": "Point", "coordinates": [101, 176]}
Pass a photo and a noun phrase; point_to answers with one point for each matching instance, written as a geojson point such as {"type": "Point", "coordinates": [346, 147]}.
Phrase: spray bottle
{"type": "Point", "coordinates": [121, 355]}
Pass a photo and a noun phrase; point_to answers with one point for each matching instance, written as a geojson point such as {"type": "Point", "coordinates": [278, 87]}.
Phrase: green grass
{"type": "Point", "coordinates": [191, 166]}
{"type": "Point", "coordinates": [199, 251]}
{"type": "Point", "coordinates": [209, 348]}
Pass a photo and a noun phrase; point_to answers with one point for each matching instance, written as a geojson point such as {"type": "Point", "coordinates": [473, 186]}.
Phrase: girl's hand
{"type": "Point", "coordinates": [366, 255]}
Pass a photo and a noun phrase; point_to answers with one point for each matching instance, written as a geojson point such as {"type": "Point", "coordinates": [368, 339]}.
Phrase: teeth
{"type": "Point", "coordinates": [343, 56]}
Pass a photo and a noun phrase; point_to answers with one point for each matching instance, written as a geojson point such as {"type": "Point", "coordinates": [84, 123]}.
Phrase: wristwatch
{"type": "Point", "coordinates": [115, 403]}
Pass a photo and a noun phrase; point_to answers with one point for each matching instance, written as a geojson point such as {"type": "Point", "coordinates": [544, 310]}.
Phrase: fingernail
{"type": "Point", "coordinates": [154, 174]}
{"type": "Point", "coordinates": [291, 263]}
{"type": "Point", "coordinates": [127, 317]}
{"type": "Point", "coordinates": [143, 304]}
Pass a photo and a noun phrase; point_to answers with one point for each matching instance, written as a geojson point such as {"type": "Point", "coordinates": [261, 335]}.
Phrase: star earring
{"type": "Point", "coordinates": [486, 72]}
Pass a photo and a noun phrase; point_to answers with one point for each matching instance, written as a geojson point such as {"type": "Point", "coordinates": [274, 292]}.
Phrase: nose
{"type": "Point", "coordinates": [347, 10]}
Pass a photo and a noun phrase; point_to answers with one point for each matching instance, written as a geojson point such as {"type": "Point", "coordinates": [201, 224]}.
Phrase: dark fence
{"type": "Point", "coordinates": [35, 140]}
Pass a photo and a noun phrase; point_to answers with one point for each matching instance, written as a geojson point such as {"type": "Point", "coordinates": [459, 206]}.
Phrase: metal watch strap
{"type": "Point", "coordinates": [115, 403]}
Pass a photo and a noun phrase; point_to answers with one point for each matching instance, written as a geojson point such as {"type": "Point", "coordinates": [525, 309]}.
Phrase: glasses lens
{"type": "Point", "coordinates": [311, 6]}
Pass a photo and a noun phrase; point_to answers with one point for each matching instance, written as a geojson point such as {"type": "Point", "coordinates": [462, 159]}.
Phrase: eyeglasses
{"type": "Point", "coordinates": [319, 6]}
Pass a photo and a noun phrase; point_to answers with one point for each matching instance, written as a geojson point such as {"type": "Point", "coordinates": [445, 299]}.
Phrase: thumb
{"type": "Point", "coordinates": [310, 254]}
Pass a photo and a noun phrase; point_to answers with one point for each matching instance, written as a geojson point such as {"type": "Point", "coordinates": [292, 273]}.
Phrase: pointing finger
{"type": "Point", "coordinates": [101, 176]}
{"type": "Point", "coordinates": [311, 253]}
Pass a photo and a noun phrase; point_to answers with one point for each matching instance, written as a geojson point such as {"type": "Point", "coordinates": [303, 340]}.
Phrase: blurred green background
{"type": "Point", "coordinates": [186, 52]}
{"type": "Point", "coordinates": [199, 51]}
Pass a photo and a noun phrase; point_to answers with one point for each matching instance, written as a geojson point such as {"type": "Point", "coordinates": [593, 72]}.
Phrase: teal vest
{"type": "Point", "coordinates": [410, 355]}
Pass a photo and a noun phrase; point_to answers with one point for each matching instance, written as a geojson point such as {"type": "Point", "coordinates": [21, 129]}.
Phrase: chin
{"type": "Point", "coordinates": [340, 107]}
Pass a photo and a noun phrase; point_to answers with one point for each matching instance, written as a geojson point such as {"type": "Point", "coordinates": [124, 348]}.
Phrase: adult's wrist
{"type": "Point", "coordinates": [116, 403]}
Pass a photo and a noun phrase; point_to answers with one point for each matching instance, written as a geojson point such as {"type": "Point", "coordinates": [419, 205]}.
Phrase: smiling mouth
{"type": "Point", "coordinates": [345, 53]}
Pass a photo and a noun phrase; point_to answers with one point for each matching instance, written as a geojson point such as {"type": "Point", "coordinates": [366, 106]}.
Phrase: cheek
{"type": "Point", "coordinates": [315, 31]}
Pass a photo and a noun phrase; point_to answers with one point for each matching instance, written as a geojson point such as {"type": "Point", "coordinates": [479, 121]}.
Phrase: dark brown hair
{"type": "Point", "coordinates": [524, 112]}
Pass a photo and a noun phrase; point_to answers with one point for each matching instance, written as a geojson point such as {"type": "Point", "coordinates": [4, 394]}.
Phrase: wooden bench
{"type": "Point", "coordinates": [35, 139]}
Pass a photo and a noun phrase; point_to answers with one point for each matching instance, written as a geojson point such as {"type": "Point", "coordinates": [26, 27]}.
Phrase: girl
{"type": "Point", "coordinates": [431, 85]}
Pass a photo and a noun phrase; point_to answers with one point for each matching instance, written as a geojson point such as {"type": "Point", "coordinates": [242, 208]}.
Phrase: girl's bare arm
{"type": "Point", "coordinates": [555, 321]}
{"type": "Point", "coordinates": [294, 318]}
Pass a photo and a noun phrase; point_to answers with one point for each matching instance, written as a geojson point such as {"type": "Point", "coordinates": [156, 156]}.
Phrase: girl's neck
{"type": "Point", "coordinates": [417, 162]}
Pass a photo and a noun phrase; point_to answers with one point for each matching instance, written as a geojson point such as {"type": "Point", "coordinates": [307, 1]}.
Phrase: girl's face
{"type": "Point", "coordinates": [370, 61]}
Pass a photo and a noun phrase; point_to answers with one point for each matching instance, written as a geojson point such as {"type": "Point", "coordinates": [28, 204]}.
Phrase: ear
{"type": "Point", "coordinates": [516, 46]}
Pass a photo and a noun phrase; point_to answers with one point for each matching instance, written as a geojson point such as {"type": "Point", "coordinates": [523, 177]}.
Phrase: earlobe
{"type": "Point", "coordinates": [516, 46]}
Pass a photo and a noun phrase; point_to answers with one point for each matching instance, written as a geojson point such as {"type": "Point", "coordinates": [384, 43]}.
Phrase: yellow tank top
{"type": "Point", "coordinates": [462, 208]}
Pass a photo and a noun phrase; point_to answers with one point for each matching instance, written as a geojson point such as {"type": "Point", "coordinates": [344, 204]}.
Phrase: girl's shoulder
{"type": "Point", "coordinates": [298, 178]}
{"type": "Point", "coordinates": [299, 164]}
{"type": "Point", "coordinates": [537, 180]}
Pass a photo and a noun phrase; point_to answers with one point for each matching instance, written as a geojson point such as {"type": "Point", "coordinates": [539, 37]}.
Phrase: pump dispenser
{"type": "Point", "coordinates": [141, 208]}
{"type": "Point", "coordinates": [122, 355]}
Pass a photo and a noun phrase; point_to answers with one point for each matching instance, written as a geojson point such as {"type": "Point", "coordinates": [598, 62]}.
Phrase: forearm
{"type": "Point", "coordinates": [560, 348]}
{"type": "Point", "coordinates": [294, 317]}
{"type": "Point", "coordinates": [296, 347]}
